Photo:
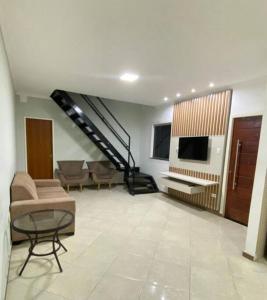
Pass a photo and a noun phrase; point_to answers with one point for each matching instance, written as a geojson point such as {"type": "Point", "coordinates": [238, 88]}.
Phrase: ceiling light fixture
{"type": "Point", "coordinates": [130, 77]}
{"type": "Point", "coordinates": [178, 95]}
{"type": "Point", "coordinates": [193, 90]}
{"type": "Point", "coordinates": [211, 84]}
{"type": "Point", "coordinates": [166, 98]}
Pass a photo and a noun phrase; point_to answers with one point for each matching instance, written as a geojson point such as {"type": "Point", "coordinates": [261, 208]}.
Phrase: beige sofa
{"type": "Point", "coordinates": [31, 195]}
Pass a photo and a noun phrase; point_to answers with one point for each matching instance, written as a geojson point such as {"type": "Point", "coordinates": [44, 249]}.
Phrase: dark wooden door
{"type": "Point", "coordinates": [244, 152]}
{"type": "Point", "coordinates": [39, 138]}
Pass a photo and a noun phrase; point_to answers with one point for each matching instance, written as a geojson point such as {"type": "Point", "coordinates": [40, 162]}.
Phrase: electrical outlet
{"type": "Point", "coordinates": [213, 196]}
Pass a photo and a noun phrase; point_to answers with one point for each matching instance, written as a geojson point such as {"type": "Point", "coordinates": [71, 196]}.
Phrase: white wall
{"type": "Point", "coordinates": [215, 156]}
{"type": "Point", "coordinates": [250, 99]}
{"type": "Point", "coordinates": [7, 161]}
{"type": "Point", "coordinates": [152, 116]}
{"type": "Point", "coordinates": [69, 141]}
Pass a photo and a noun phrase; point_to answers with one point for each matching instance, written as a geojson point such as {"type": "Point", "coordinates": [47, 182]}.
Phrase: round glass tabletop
{"type": "Point", "coordinates": [43, 221]}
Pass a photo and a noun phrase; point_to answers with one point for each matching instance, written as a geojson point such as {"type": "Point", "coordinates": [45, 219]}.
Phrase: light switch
{"type": "Point", "coordinates": [218, 150]}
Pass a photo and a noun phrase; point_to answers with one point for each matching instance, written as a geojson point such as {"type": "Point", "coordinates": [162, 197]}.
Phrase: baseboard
{"type": "Point", "coordinates": [248, 256]}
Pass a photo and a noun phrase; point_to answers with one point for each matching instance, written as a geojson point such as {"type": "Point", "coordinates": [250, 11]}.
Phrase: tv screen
{"type": "Point", "coordinates": [195, 148]}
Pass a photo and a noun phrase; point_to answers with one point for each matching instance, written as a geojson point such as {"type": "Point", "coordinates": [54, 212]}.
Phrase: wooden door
{"type": "Point", "coordinates": [39, 138]}
{"type": "Point", "coordinates": [244, 152]}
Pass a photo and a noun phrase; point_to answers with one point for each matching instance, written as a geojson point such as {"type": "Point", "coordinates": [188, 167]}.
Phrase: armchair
{"type": "Point", "coordinates": [102, 172]}
{"type": "Point", "coordinates": [71, 173]}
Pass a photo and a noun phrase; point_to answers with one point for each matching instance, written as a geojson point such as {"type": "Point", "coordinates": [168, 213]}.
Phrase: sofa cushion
{"type": "Point", "coordinates": [50, 189]}
{"type": "Point", "coordinates": [71, 167]}
{"type": "Point", "coordinates": [100, 167]}
{"type": "Point", "coordinates": [51, 192]}
{"type": "Point", "coordinates": [50, 195]}
{"type": "Point", "coordinates": [23, 187]}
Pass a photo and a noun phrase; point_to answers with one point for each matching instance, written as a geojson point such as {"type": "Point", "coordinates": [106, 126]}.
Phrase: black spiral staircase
{"type": "Point", "coordinates": [137, 182]}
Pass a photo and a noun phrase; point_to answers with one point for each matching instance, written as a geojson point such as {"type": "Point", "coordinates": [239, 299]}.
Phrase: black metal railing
{"type": "Point", "coordinates": [126, 144]}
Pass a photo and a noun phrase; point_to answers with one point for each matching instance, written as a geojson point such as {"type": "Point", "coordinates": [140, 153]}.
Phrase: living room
{"type": "Point", "coordinates": [139, 150]}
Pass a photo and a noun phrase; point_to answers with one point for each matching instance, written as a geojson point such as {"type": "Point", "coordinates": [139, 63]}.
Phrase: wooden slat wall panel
{"type": "Point", "coordinates": [202, 116]}
{"type": "Point", "coordinates": [203, 200]}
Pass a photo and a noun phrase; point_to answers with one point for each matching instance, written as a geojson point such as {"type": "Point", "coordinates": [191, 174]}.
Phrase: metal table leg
{"type": "Point", "coordinates": [54, 241]}
{"type": "Point", "coordinates": [33, 243]}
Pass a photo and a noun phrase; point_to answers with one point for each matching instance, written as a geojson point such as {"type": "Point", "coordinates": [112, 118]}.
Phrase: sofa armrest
{"type": "Point", "coordinates": [47, 182]}
{"type": "Point", "coordinates": [22, 207]}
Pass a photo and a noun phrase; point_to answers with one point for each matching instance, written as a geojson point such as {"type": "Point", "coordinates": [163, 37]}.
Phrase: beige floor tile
{"type": "Point", "coordinates": [212, 296]}
{"type": "Point", "coordinates": [172, 252]}
{"type": "Point", "coordinates": [130, 266]}
{"type": "Point", "coordinates": [180, 238]}
{"type": "Point", "coordinates": [148, 233]}
{"type": "Point", "coordinates": [243, 267]}
{"type": "Point", "coordinates": [169, 275]}
{"type": "Point", "coordinates": [74, 283]}
{"type": "Point", "coordinates": [17, 290]}
{"type": "Point", "coordinates": [39, 272]}
{"type": "Point", "coordinates": [117, 288]}
{"type": "Point", "coordinates": [212, 284]}
{"type": "Point", "coordinates": [210, 262]}
{"type": "Point", "coordinates": [84, 235]}
{"type": "Point", "coordinates": [140, 247]}
{"type": "Point", "coordinates": [156, 292]}
{"type": "Point", "coordinates": [96, 259]}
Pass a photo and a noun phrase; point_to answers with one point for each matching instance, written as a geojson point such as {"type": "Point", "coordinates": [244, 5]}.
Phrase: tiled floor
{"type": "Point", "coordinates": [143, 247]}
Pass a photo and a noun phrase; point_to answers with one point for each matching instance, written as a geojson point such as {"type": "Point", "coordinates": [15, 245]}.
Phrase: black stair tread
{"type": "Point", "coordinates": [141, 188]}
{"type": "Point", "coordinates": [143, 191]}
{"type": "Point", "coordinates": [83, 126]}
{"type": "Point", "coordinates": [65, 106]}
{"type": "Point", "coordinates": [141, 175]}
{"type": "Point", "coordinates": [138, 183]}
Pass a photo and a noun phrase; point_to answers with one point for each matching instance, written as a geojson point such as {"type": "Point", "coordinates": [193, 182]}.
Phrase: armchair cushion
{"type": "Point", "coordinates": [102, 171]}
{"type": "Point", "coordinates": [71, 167]}
{"type": "Point", "coordinates": [102, 167]}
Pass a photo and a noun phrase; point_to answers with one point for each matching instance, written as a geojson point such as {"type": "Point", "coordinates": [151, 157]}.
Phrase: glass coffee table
{"type": "Point", "coordinates": [43, 226]}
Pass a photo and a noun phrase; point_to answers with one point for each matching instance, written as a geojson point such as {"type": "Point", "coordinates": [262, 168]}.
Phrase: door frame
{"type": "Point", "coordinates": [228, 154]}
{"type": "Point", "coordinates": [25, 140]}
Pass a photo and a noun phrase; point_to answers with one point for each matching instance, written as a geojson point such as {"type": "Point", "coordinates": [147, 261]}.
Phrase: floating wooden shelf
{"type": "Point", "coordinates": [184, 183]}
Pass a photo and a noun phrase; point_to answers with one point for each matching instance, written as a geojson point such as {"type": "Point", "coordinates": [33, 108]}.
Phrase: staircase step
{"type": "Point", "coordinates": [142, 191]}
{"type": "Point", "coordinates": [142, 175]}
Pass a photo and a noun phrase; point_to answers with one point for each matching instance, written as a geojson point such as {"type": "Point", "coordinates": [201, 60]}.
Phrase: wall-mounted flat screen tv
{"type": "Point", "coordinates": [195, 148]}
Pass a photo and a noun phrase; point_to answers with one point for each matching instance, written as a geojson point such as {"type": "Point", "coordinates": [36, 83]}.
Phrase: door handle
{"type": "Point", "coordinates": [237, 153]}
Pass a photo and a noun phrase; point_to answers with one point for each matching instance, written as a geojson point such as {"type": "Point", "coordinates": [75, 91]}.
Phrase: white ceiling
{"type": "Point", "coordinates": [174, 45]}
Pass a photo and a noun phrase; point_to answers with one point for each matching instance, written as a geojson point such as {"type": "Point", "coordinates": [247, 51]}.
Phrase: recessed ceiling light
{"type": "Point", "coordinates": [178, 95]}
{"type": "Point", "coordinates": [211, 84]}
{"type": "Point", "coordinates": [130, 77]}
{"type": "Point", "coordinates": [166, 99]}
{"type": "Point", "coordinates": [193, 90]}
